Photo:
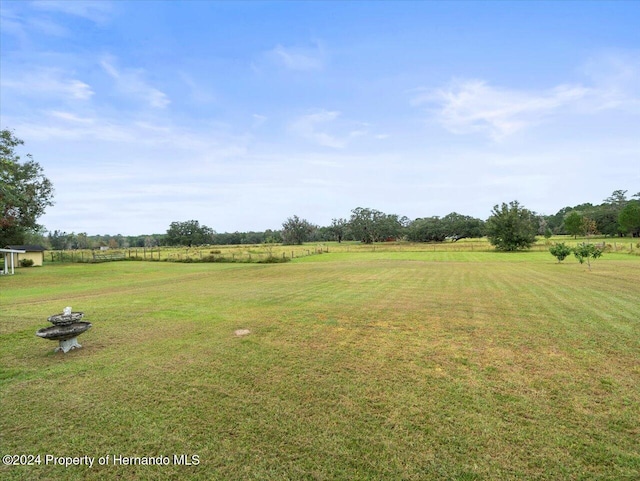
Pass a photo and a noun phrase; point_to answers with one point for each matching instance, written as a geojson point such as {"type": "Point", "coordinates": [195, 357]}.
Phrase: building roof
{"type": "Point", "coordinates": [28, 248]}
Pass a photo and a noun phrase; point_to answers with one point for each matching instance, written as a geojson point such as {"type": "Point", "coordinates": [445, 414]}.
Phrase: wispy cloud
{"type": "Point", "coordinates": [328, 129]}
{"type": "Point", "coordinates": [96, 11]}
{"type": "Point", "coordinates": [617, 76]}
{"type": "Point", "coordinates": [132, 83]}
{"type": "Point", "coordinates": [50, 82]}
{"type": "Point", "coordinates": [205, 143]}
{"type": "Point", "coordinates": [258, 120]}
{"type": "Point", "coordinates": [198, 92]}
{"type": "Point", "coordinates": [299, 58]}
{"type": "Point", "coordinates": [469, 106]}
{"type": "Point", "coordinates": [21, 25]}
{"type": "Point", "coordinates": [43, 17]}
{"type": "Point", "coordinates": [70, 117]}
{"type": "Point", "coordinates": [11, 22]}
{"type": "Point", "coordinates": [309, 127]}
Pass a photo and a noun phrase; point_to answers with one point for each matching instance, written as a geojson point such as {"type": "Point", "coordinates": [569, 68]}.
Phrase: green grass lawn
{"type": "Point", "coordinates": [360, 365]}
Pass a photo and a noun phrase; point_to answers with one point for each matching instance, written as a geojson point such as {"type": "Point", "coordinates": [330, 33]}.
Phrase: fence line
{"type": "Point", "coordinates": [247, 254]}
{"type": "Point", "coordinates": [261, 253]}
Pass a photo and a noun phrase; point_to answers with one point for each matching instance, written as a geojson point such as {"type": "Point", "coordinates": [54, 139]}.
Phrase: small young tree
{"type": "Point", "coordinates": [560, 251]}
{"type": "Point", "coordinates": [269, 243]}
{"type": "Point", "coordinates": [548, 233]}
{"type": "Point", "coordinates": [573, 224]}
{"type": "Point", "coordinates": [585, 252]}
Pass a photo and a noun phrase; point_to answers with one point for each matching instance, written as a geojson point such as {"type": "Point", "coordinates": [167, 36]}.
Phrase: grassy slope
{"type": "Point", "coordinates": [359, 366]}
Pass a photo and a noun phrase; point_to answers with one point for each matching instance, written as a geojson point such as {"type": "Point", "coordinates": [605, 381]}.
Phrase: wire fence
{"type": "Point", "coordinates": [230, 254]}
{"type": "Point", "coordinates": [263, 253]}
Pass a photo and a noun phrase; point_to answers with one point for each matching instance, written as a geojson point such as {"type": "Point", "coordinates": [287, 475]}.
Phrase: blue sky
{"type": "Point", "coordinates": [241, 114]}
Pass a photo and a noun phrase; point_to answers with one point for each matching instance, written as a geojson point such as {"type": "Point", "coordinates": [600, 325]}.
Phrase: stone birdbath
{"type": "Point", "coordinates": [66, 329]}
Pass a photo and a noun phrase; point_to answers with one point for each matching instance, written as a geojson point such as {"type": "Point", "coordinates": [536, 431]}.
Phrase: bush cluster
{"type": "Point", "coordinates": [274, 260]}
{"type": "Point", "coordinates": [560, 251]}
{"type": "Point", "coordinates": [583, 252]}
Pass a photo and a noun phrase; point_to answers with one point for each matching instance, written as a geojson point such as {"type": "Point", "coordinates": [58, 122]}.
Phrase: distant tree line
{"type": "Point", "coordinates": [510, 227]}
{"type": "Point", "coordinates": [25, 193]}
{"type": "Point", "coordinates": [60, 240]}
{"type": "Point", "coordinates": [617, 216]}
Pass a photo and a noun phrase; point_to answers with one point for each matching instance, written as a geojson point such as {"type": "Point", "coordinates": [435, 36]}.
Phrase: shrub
{"type": "Point", "coordinates": [26, 262]}
{"type": "Point", "coordinates": [213, 258]}
{"type": "Point", "coordinates": [274, 260]}
{"type": "Point", "coordinates": [560, 251]}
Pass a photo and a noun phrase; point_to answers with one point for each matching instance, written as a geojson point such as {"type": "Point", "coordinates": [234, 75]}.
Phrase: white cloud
{"type": "Point", "coordinates": [194, 147]}
{"type": "Point", "coordinates": [308, 127]}
{"type": "Point", "coordinates": [470, 106]}
{"type": "Point", "coordinates": [131, 82]}
{"type": "Point", "coordinates": [11, 23]}
{"type": "Point", "coordinates": [199, 93]}
{"type": "Point", "coordinates": [328, 129]}
{"type": "Point", "coordinates": [299, 58]}
{"type": "Point", "coordinates": [616, 75]}
{"type": "Point", "coordinates": [23, 25]}
{"type": "Point", "coordinates": [70, 117]}
{"type": "Point", "coordinates": [258, 120]}
{"type": "Point", "coordinates": [50, 82]}
{"type": "Point", "coordinates": [47, 27]}
{"type": "Point", "coordinates": [96, 11]}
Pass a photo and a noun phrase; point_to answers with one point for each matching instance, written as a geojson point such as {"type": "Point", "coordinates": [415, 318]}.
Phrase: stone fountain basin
{"type": "Point", "coordinates": [65, 320]}
{"type": "Point", "coordinates": [63, 333]}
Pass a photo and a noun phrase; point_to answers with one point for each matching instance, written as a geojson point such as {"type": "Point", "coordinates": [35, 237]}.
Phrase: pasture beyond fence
{"type": "Point", "coordinates": [225, 254]}
{"type": "Point", "coordinates": [257, 253]}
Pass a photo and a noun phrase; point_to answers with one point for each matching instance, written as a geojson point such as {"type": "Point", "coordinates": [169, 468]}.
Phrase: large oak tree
{"type": "Point", "coordinates": [25, 192]}
{"type": "Point", "coordinates": [511, 227]}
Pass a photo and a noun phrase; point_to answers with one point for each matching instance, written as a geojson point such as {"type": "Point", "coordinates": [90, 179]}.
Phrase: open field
{"type": "Point", "coordinates": [259, 252]}
{"type": "Point", "coordinates": [359, 365]}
